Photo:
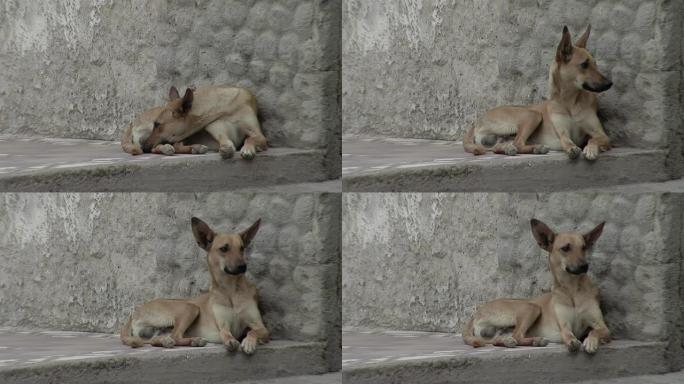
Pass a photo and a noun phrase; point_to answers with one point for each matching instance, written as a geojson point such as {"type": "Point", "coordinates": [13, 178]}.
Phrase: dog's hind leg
{"type": "Point", "coordinates": [527, 314]}
{"type": "Point", "coordinates": [254, 139]}
{"type": "Point", "coordinates": [219, 130]}
{"type": "Point", "coordinates": [186, 314]}
{"type": "Point", "coordinates": [529, 121]}
{"type": "Point", "coordinates": [195, 149]}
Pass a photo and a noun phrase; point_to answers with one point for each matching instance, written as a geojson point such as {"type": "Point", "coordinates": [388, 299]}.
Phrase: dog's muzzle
{"type": "Point", "coordinates": [238, 271]}
{"type": "Point", "coordinates": [578, 270]}
{"type": "Point", "coordinates": [601, 88]}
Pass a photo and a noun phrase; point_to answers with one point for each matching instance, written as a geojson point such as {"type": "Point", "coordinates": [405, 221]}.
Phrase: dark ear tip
{"type": "Point", "coordinates": [195, 220]}
{"type": "Point", "coordinates": [534, 222]}
{"type": "Point", "coordinates": [565, 29]}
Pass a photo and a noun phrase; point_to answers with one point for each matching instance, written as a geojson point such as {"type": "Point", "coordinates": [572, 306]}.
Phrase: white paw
{"type": "Point", "coordinates": [540, 342]}
{"type": "Point", "coordinates": [227, 151]}
{"type": "Point", "coordinates": [590, 152]}
{"type": "Point", "coordinates": [590, 345]}
{"type": "Point", "coordinates": [248, 153]}
{"type": "Point", "coordinates": [541, 149]}
{"type": "Point", "coordinates": [249, 345]}
{"type": "Point", "coordinates": [199, 149]}
{"type": "Point", "coordinates": [167, 149]}
{"type": "Point", "coordinates": [232, 345]}
{"type": "Point", "coordinates": [510, 149]}
{"type": "Point", "coordinates": [167, 342]}
{"type": "Point", "coordinates": [198, 342]}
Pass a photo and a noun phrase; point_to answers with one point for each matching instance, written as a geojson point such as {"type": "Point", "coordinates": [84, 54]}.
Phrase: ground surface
{"type": "Point", "coordinates": [386, 164]}
{"type": "Point", "coordinates": [670, 378]}
{"type": "Point", "coordinates": [331, 378]}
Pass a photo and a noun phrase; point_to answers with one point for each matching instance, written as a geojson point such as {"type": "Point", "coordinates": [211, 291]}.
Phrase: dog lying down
{"type": "Point", "coordinates": [219, 118]}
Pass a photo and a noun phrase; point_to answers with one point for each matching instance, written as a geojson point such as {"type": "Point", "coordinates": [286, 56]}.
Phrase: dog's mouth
{"type": "Point", "coordinates": [238, 271]}
{"type": "Point", "coordinates": [601, 88]}
{"type": "Point", "coordinates": [578, 270]}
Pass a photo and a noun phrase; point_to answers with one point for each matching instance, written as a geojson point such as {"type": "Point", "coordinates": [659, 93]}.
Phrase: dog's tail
{"type": "Point", "coordinates": [469, 143]}
{"type": "Point", "coordinates": [127, 143]}
{"type": "Point", "coordinates": [469, 335]}
{"type": "Point", "coordinates": [127, 336]}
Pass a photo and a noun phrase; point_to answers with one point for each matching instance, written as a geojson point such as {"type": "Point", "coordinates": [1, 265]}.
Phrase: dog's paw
{"type": "Point", "coordinates": [573, 152]}
{"type": "Point", "coordinates": [199, 149]}
{"type": "Point", "coordinates": [574, 345]}
{"type": "Point", "coordinates": [167, 149]}
{"type": "Point", "coordinates": [198, 342]}
{"type": "Point", "coordinates": [510, 149]}
{"type": "Point", "coordinates": [591, 152]}
{"type": "Point", "coordinates": [167, 342]}
{"type": "Point", "coordinates": [231, 345]}
{"type": "Point", "coordinates": [590, 345]}
{"type": "Point", "coordinates": [539, 342]}
{"type": "Point", "coordinates": [541, 149]}
{"type": "Point", "coordinates": [227, 150]}
{"type": "Point", "coordinates": [248, 153]}
{"type": "Point", "coordinates": [509, 342]}
{"type": "Point", "coordinates": [248, 345]}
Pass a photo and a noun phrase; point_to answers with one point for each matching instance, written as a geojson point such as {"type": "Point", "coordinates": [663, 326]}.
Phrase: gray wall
{"type": "Point", "coordinates": [82, 261]}
{"type": "Point", "coordinates": [84, 68]}
{"type": "Point", "coordinates": [428, 68]}
{"type": "Point", "coordinates": [425, 261]}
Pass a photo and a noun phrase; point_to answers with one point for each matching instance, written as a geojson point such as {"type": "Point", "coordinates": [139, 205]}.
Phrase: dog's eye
{"type": "Point", "coordinates": [566, 248]}
{"type": "Point", "coordinates": [585, 65]}
{"type": "Point", "coordinates": [225, 248]}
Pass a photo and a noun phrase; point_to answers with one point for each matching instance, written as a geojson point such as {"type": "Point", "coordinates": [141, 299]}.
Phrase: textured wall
{"type": "Point", "coordinates": [82, 261]}
{"type": "Point", "coordinates": [428, 68]}
{"type": "Point", "coordinates": [425, 261]}
{"type": "Point", "coordinates": [84, 68]}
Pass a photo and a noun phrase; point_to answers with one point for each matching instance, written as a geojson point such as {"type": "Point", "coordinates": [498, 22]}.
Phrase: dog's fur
{"type": "Point", "coordinates": [222, 315]}
{"type": "Point", "coordinates": [563, 315]}
{"type": "Point", "coordinates": [228, 114]}
{"type": "Point", "coordinates": [563, 122]}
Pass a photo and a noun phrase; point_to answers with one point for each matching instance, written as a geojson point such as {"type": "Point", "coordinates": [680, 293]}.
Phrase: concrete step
{"type": "Point", "coordinates": [41, 164]}
{"type": "Point", "coordinates": [421, 357]}
{"type": "Point", "coordinates": [415, 165]}
{"type": "Point", "coordinates": [668, 378]}
{"type": "Point", "coordinates": [671, 186]}
{"type": "Point", "coordinates": [75, 357]}
{"type": "Point", "coordinates": [330, 378]}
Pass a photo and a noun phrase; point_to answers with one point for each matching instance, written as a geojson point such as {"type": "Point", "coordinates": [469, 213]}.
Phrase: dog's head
{"type": "Point", "coordinates": [141, 129]}
{"type": "Point", "coordinates": [567, 250]}
{"type": "Point", "coordinates": [576, 65]}
{"type": "Point", "coordinates": [172, 121]}
{"type": "Point", "coordinates": [225, 252]}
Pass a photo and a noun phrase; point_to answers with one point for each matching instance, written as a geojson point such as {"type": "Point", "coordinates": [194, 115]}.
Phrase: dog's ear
{"type": "Point", "coordinates": [543, 234]}
{"type": "Point", "coordinates": [248, 234]}
{"type": "Point", "coordinates": [591, 237]}
{"type": "Point", "coordinates": [186, 103]}
{"type": "Point", "coordinates": [564, 51]}
{"type": "Point", "coordinates": [173, 94]}
{"type": "Point", "coordinates": [203, 234]}
{"type": "Point", "coordinates": [582, 41]}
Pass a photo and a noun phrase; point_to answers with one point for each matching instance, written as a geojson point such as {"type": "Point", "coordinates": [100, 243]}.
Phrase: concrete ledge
{"type": "Point", "coordinates": [75, 357]}
{"type": "Point", "coordinates": [669, 378]}
{"type": "Point", "coordinates": [416, 165]}
{"type": "Point", "coordinates": [331, 378]}
{"type": "Point", "coordinates": [421, 357]}
{"type": "Point", "coordinates": [73, 165]}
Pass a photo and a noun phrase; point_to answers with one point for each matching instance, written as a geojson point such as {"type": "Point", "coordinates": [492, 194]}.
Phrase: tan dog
{"type": "Point", "coordinates": [222, 315]}
{"type": "Point", "coordinates": [228, 114]}
{"type": "Point", "coordinates": [563, 315]}
{"type": "Point", "coordinates": [564, 121]}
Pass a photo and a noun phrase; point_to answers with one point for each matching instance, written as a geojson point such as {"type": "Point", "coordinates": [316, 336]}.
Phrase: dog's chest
{"type": "Point", "coordinates": [230, 316]}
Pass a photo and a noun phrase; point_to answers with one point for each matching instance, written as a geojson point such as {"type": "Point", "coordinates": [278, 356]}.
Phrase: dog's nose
{"type": "Point", "coordinates": [583, 268]}
{"type": "Point", "coordinates": [241, 268]}
{"type": "Point", "coordinates": [610, 84]}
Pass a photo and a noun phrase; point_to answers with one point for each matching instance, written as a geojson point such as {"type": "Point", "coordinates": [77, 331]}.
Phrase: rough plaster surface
{"type": "Point", "coordinates": [425, 261]}
{"type": "Point", "coordinates": [428, 68]}
{"type": "Point", "coordinates": [83, 69]}
{"type": "Point", "coordinates": [82, 261]}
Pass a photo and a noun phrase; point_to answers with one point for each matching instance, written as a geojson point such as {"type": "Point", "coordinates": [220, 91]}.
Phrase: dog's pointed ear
{"type": "Point", "coordinates": [564, 51]}
{"type": "Point", "coordinates": [582, 41]}
{"type": "Point", "coordinates": [173, 94]}
{"type": "Point", "coordinates": [203, 234]}
{"type": "Point", "coordinates": [248, 234]}
{"type": "Point", "coordinates": [593, 235]}
{"type": "Point", "coordinates": [186, 103]}
{"type": "Point", "coordinates": [543, 234]}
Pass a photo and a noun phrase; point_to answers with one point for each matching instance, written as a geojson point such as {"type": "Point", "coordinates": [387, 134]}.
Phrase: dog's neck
{"type": "Point", "coordinates": [227, 286]}
{"type": "Point", "coordinates": [566, 96]}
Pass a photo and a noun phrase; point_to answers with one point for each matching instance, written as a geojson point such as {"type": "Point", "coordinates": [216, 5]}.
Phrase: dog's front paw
{"type": "Point", "coordinates": [199, 149]}
{"type": "Point", "coordinates": [541, 149]}
{"type": "Point", "coordinates": [249, 345]}
{"type": "Point", "coordinates": [510, 149]}
{"type": "Point", "coordinates": [227, 150]}
{"type": "Point", "coordinates": [168, 342]}
{"type": "Point", "coordinates": [573, 152]}
{"type": "Point", "coordinates": [198, 342]}
{"type": "Point", "coordinates": [574, 345]}
{"type": "Point", "coordinates": [591, 345]}
{"type": "Point", "coordinates": [248, 153]}
{"type": "Point", "coordinates": [591, 152]}
{"type": "Point", "coordinates": [167, 149]}
{"type": "Point", "coordinates": [539, 342]}
{"type": "Point", "coordinates": [231, 345]}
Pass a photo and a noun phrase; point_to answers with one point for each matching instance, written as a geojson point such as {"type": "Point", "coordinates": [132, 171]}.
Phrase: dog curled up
{"type": "Point", "coordinates": [563, 122]}
{"type": "Point", "coordinates": [228, 314]}
{"type": "Point", "coordinates": [222, 118]}
{"type": "Point", "coordinates": [566, 314]}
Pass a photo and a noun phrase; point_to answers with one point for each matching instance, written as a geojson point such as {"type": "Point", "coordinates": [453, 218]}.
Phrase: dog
{"type": "Point", "coordinates": [570, 311]}
{"type": "Point", "coordinates": [227, 114]}
{"type": "Point", "coordinates": [221, 315]}
{"type": "Point", "coordinates": [562, 122]}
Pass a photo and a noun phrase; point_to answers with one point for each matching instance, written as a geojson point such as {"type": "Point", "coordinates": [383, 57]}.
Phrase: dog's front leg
{"type": "Point", "coordinates": [229, 341]}
{"type": "Point", "coordinates": [258, 334]}
{"type": "Point", "coordinates": [164, 149]}
{"type": "Point", "coordinates": [568, 337]}
{"type": "Point", "coordinates": [598, 141]}
{"type": "Point", "coordinates": [599, 334]}
{"type": "Point", "coordinates": [562, 124]}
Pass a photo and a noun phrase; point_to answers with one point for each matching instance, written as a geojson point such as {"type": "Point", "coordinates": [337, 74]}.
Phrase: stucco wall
{"type": "Point", "coordinates": [425, 261]}
{"type": "Point", "coordinates": [428, 68]}
{"type": "Point", "coordinates": [82, 261]}
{"type": "Point", "coordinates": [84, 68]}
